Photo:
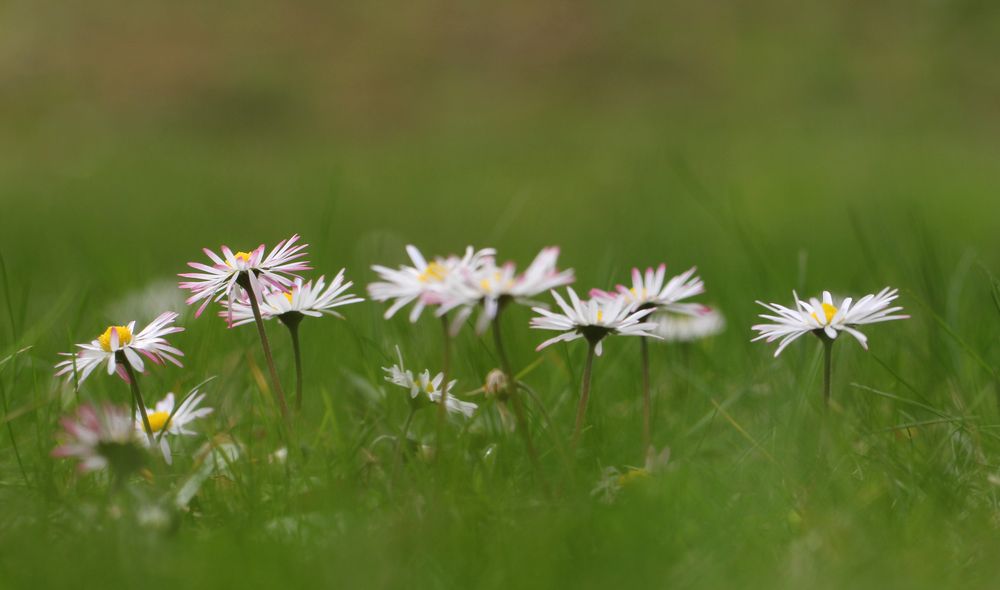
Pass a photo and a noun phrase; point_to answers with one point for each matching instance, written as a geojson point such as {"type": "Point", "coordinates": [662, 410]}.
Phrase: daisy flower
{"type": "Point", "coordinates": [438, 282]}
{"type": "Point", "coordinates": [594, 320]}
{"type": "Point", "coordinates": [248, 271]}
{"type": "Point", "coordinates": [166, 420]}
{"type": "Point", "coordinates": [826, 318]}
{"type": "Point", "coordinates": [245, 269]}
{"type": "Point", "coordinates": [651, 290]}
{"type": "Point", "coordinates": [427, 388]}
{"type": "Point", "coordinates": [493, 286]}
{"type": "Point", "coordinates": [673, 327]}
{"type": "Point", "coordinates": [291, 306]}
{"type": "Point", "coordinates": [121, 345]}
{"type": "Point", "coordinates": [648, 290]}
{"type": "Point", "coordinates": [99, 436]}
{"type": "Point", "coordinates": [302, 299]}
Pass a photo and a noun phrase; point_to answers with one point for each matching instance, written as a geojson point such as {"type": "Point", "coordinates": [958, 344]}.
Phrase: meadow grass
{"type": "Point", "coordinates": [896, 485]}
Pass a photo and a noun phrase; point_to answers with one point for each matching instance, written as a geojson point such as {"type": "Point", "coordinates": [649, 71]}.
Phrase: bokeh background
{"type": "Point", "coordinates": [733, 135]}
{"type": "Point", "coordinates": [778, 145]}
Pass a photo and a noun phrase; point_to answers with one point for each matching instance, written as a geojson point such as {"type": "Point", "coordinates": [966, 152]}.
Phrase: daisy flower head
{"type": "Point", "coordinates": [169, 419]}
{"type": "Point", "coordinates": [302, 299]}
{"type": "Point", "coordinates": [677, 327]}
{"type": "Point", "coordinates": [651, 289]}
{"type": "Point", "coordinates": [248, 270]}
{"type": "Point", "coordinates": [593, 319]}
{"type": "Point", "coordinates": [122, 344]}
{"type": "Point", "coordinates": [439, 282]}
{"type": "Point", "coordinates": [494, 285]}
{"type": "Point", "coordinates": [425, 388]}
{"type": "Point", "coordinates": [826, 318]}
{"type": "Point", "coordinates": [99, 436]}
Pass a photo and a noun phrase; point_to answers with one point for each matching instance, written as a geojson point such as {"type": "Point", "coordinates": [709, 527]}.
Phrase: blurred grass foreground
{"type": "Point", "coordinates": [777, 145]}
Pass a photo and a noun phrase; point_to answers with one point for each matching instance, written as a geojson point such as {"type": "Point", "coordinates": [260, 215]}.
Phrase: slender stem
{"type": "Point", "coordinates": [827, 370]}
{"type": "Point", "coordinates": [255, 306]}
{"type": "Point", "coordinates": [581, 409]}
{"type": "Point", "coordinates": [293, 329]}
{"type": "Point", "coordinates": [10, 431]}
{"type": "Point", "coordinates": [549, 425]}
{"type": "Point", "coordinates": [133, 382]}
{"type": "Point", "coordinates": [442, 411]}
{"type": "Point", "coordinates": [514, 395]}
{"type": "Point", "coordinates": [647, 402]}
{"type": "Point", "coordinates": [404, 437]}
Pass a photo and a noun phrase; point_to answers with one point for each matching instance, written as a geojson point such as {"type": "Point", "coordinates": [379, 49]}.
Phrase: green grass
{"type": "Point", "coordinates": [819, 161]}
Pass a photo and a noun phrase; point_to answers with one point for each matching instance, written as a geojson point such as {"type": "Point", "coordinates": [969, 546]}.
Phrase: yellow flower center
{"type": "Point", "coordinates": [637, 295]}
{"type": "Point", "coordinates": [435, 271]}
{"type": "Point", "coordinates": [288, 296]}
{"type": "Point", "coordinates": [600, 315]}
{"type": "Point", "coordinates": [124, 337]}
{"type": "Point", "coordinates": [158, 421]}
{"type": "Point", "coordinates": [429, 388]}
{"type": "Point", "coordinates": [829, 311]}
{"type": "Point", "coordinates": [631, 476]}
{"type": "Point", "coordinates": [244, 256]}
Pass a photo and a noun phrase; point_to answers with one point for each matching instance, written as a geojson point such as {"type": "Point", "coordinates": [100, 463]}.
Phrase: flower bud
{"type": "Point", "coordinates": [496, 383]}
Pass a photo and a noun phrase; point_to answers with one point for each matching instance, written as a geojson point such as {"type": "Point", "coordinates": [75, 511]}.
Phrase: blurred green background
{"type": "Point", "coordinates": [777, 145]}
{"type": "Point", "coordinates": [627, 131]}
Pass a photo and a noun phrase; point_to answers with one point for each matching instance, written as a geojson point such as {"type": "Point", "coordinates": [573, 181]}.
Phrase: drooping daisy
{"type": "Point", "coordinates": [244, 269]}
{"type": "Point", "coordinates": [672, 327]}
{"type": "Point", "coordinates": [493, 286]}
{"type": "Point", "coordinates": [99, 436]}
{"type": "Point", "coordinates": [165, 421]}
{"type": "Point", "coordinates": [424, 387]}
{"type": "Point", "coordinates": [438, 282]}
{"type": "Point", "coordinates": [593, 320]}
{"type": "Point", "coordinates": [121, 345]}
{"type": "Point", "coordinates": [291, 306]}
{"type": "Point", "coordinates": [648, 290]}
{"type": "Point", "coordinates": [826, 319]}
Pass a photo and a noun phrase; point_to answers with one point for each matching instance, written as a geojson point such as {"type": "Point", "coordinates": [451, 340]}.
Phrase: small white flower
{"type": "Point", "coordinates": [826, 318]}
{"type": "Point", "coordinates": [493, 285]}
{"type": "Point", "coordinates": [428, 388]}
{"type": "Point", "coordinates": [311, 299]}
{"type": "Point", "coordinates": [220, 280]}
{"type": "Point", "coordinates": [98, 436]}
{"type": "Point", "coordinates": [593, 320]}
{"type": "Point", "coordinates": [648, 290]}
{"type": "Point", "coordinates": [439, 282]}
{"type": "Point", "coordinates": [105, 349]}
{"type": "Point", "coordinates": [164, 420]}
{"type": "Point", "coordinates": [673, 327]}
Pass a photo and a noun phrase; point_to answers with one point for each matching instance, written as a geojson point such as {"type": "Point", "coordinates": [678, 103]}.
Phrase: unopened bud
{"type": "Point", "coordinates": [496, 383]}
